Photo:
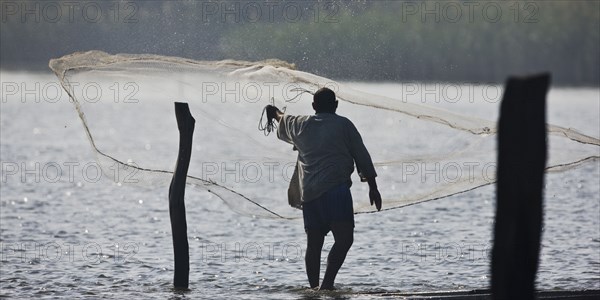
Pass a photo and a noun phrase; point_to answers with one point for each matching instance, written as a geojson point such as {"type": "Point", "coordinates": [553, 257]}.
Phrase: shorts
{"type": "Point", "coordinates": [334, 205]}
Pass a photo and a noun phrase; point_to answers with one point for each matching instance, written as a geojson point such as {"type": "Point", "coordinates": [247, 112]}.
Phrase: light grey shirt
{"type": "Point", "coordinates": [328, 147]}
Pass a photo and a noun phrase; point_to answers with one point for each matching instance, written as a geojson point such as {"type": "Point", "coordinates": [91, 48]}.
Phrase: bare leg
{"type": "Point", "coordinates": [313, 256]}
{"type": "Point", "coordinates": [343, 233]}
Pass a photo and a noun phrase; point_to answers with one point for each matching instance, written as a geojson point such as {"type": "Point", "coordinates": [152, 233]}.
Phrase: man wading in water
{"type": "Point", "coordinates": [328, 146]}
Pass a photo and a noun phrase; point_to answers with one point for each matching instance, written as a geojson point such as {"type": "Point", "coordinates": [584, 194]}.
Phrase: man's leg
{"type": "Point", "coordinates": [313, 255]}
{"type": "Point", "coordinates": [343, 233]}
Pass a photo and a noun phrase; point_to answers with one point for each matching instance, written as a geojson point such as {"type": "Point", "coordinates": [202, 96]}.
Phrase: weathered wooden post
{"type": "Point", "coordinates": [185, 124]}
{"type": "Point", "coordinates": [522, 152]}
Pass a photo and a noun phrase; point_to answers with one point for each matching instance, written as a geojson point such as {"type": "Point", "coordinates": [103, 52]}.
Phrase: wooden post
{"type": "Point", "coordinates": [522, 152]}
{"type": "Point", "coordinates": [185, 124]}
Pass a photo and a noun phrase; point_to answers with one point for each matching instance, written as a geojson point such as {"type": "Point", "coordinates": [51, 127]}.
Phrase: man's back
{"type": "Point", "coordinates": [328, 145]}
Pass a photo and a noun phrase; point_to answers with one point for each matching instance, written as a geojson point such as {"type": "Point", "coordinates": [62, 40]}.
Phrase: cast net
{"type": "Point", "coordinates": [421, 153]}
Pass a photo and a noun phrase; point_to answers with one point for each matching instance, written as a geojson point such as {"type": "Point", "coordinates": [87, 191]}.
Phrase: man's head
{"type": "Point", "coordinates": [324, 101]}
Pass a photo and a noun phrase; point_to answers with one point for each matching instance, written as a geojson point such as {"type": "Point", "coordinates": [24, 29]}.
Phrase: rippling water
{"type": "Point", "coordinates": [62, 234]}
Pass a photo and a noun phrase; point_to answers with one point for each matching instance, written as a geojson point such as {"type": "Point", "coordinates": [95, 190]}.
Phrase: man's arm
{"type": "Point", "coordinates": [364, 165]}
{"type": "Point", "coordinates": [284, 126]}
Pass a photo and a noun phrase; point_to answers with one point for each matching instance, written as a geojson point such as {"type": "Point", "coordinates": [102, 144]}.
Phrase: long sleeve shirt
{"type": "Point", "coordinates": [328, 147]}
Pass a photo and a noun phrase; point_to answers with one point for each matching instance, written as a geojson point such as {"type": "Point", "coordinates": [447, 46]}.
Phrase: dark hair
{"type": "Point", "coordinates": [324, 100]}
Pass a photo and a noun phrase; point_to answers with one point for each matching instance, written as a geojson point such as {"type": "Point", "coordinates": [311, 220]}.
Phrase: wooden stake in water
{"type": "Point", "coordinates": [522, 151]}
{"type": "Point", "coordinates": [185, 124]}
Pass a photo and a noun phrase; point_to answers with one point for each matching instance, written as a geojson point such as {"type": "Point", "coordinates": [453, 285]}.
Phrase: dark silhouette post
{"type": "Point", "coordinates": [185, 124]}
{"type": "Point", "coordinates": [522, 152]}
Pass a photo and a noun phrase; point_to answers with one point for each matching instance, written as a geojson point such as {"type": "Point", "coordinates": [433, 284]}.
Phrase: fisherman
{"type": "Point", "coordinates": [328, 147]}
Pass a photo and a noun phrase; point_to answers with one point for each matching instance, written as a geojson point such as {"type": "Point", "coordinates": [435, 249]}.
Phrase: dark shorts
{"type": "Point", "coordinates": [334, 205]}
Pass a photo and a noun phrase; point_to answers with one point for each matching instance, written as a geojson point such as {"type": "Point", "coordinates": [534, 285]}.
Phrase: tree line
{"type": "Point", "coordinates": [459, 41]}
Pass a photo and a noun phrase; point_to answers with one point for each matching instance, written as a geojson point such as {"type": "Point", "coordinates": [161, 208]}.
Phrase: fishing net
{"type": "Point", "coordinates": [421, 153]}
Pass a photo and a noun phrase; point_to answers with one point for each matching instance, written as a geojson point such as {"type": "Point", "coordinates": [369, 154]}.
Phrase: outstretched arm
{"type": "Point", "coordinates": [284, 127]}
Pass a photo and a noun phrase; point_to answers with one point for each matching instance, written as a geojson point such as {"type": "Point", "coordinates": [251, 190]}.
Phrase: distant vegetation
{"type": "Point", "coordinates": [467, 41]}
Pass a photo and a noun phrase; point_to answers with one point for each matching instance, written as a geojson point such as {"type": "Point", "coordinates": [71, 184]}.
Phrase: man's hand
{"type": "Point", "coordinates": [374, 195]}
{"type": "Point", "coordinates": [273, 113]}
